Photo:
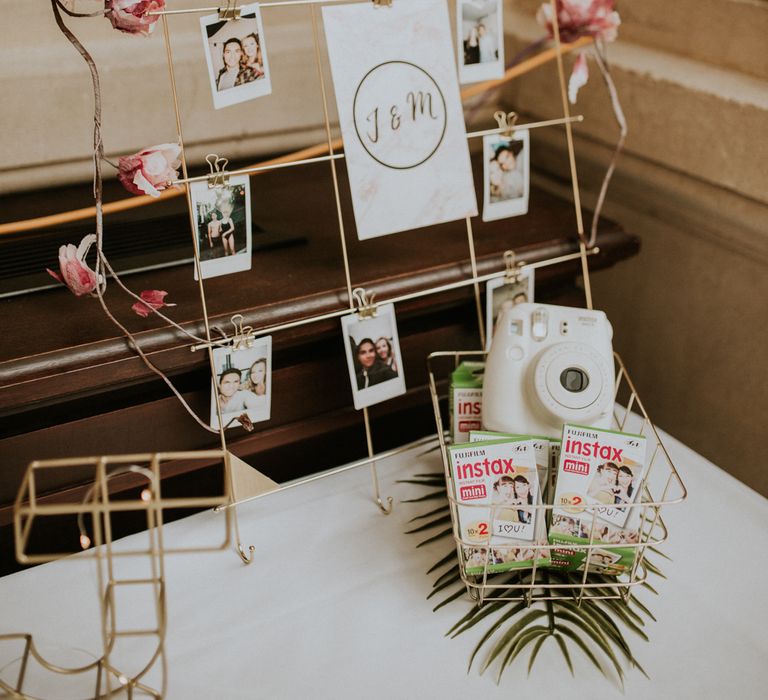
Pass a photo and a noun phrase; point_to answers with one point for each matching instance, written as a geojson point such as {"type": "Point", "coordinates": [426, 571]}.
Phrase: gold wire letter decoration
{"type": "Point", "coordinates": [94, 513]}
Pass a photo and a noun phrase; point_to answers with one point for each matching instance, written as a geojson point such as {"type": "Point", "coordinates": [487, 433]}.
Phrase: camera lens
{"type": "Point", "coordinates": [574, 379]}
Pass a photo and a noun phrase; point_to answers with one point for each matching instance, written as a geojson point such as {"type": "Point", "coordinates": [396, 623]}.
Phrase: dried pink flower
{"type": "Point", "coordinates": [579, 77]}
{"type": "Point", "coordinates": [150, 299]}
{"type": "Point", "coordinates": [149, 171]}
{"type": "Point", "coordinates": [246, 422]}
{"type": "Point", "coordinates": [75, 274]}
{"type": "Point", "coordinates": [131, 16]}
{"type": "Point", "coordinates": [578, 18]}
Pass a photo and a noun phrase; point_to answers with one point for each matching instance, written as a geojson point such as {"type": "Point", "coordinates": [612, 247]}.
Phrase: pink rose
{"type": "Point", "coordinates": [75, 274]}
{"type": "Point", "coordinates": [130, 16]}
{"type": "Point", "coordinates": [578, 18]}
{"type": "Point", "coordinates": [150, 299]}
{"type": "Point", "coordinates": [149, 171]}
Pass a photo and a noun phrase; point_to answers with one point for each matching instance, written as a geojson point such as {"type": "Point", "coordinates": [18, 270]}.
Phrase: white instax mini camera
{"type": "Point", "coordinates": [548, 365]}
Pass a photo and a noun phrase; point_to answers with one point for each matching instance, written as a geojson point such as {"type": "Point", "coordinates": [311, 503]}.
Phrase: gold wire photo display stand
{"type": "Point", "coordinates": [661, 486]}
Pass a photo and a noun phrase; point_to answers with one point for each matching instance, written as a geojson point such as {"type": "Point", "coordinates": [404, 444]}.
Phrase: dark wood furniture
{"type": "Point", "coordinates": [70, 384]}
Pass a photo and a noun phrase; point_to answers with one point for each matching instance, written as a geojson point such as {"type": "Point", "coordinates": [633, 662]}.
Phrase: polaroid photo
{"type": "Point", "coordinates": [223, 221]}
{"type": "Point", "coordinates": [506, 175]}
{"type": "Point", "coordinates": [373, 356]}
{"type": "Point", "coordinates": [565, 525]}
{"type": "Point", "coordinates": [602, 561]}
{"type": "Point", "coordinates": [500, 295]}
{"type": "Point", "coordinates": [480, 40]}
{"type": "Point", "coordinates": [236, 54]}
{"type": "Point", "coordinates": [243, 383]}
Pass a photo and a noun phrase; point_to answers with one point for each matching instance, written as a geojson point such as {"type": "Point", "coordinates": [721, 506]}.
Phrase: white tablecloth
{"type": "Point", "coordinates": [334, 604]}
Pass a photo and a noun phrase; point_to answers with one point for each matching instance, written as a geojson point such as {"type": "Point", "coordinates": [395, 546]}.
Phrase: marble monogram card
{"type": "Point", "coordinates": [401, 115]}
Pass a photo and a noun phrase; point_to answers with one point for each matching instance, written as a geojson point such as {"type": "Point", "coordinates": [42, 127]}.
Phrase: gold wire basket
{"type": "Point", "coordinates": [662, 486]}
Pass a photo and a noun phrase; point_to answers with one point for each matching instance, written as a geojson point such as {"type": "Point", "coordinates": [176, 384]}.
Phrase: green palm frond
{"type": "Point", "coordinates": [596, 627]}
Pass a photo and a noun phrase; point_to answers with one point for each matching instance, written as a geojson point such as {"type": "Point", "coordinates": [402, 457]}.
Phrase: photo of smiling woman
{"type": "Point", "coordinates": [242, 384]}
{"type": "Point", "coordinates": [375, 367]}
{"type": "Point", "coordinates": [236, 57]}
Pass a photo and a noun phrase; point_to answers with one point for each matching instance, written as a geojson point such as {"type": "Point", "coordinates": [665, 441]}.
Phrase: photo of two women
{"type": "Point", "coordinates": [373, 357]}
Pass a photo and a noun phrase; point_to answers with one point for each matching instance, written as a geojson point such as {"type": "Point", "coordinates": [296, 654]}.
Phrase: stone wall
{"type": "Point", "coordinates": [689, 313]}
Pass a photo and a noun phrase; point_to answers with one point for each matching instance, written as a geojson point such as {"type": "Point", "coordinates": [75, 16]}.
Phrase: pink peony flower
{"type": "Point", "coordinates": [578, 18]}
{"type": "Point", "coordinates": [579, 77]}
{"type": "Point", "coordinates": [130, 16]}
{"type": "Point", "coordinates": [75, 274]}
{"type": "Point", "coordinates": [149, 171]}
{"type": "Point", "coordinates": [150, 299]}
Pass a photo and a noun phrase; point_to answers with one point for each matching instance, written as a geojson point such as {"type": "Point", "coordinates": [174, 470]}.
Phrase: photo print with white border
{"type": "Point", "coordinates": [372, 348]}
{"type": "Point", "coordinates": [614, 485]}
{"type": "Point", "coordinates": [223, 220]}
{"type": "Point", "coordinates": [506, 175]}
{"type": "Point", "coordinates": [243, 383]}
{"type": "Point", "coordinates": [601, 561]}
{"type": "Point", "coordinates": [500, 295]}
{"type": "Point", "coordinates": [236, 54]}
{"type": "Point", "coordinates": [480, 37]}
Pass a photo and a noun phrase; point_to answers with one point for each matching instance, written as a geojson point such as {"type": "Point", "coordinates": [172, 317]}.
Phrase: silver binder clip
{"type": "Point", "coordinates": [218, 176]}
{"type": "Point", "coordinates": [507, 122]}
{"type": "Point", "coordinates": [231, 11]}
{"type": "Point", "coordinates": [244, 336]}
{"type": "Point", "coordinates": [366, 306]}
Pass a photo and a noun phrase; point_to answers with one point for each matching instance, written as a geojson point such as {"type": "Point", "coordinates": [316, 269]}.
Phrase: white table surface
{"type": "Point", "coordinates": [334, 604]}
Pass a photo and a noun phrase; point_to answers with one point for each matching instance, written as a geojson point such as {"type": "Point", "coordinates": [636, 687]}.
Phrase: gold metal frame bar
{"type": "Point", "coordinates": [273, 3]}
{"type": "Point", "coordinates": [529, 125]}
{"type": "Point", "coordinates": [247, 558]}
{"type": "Point", "coordinates": [263, 168]}
{"type": "Point", "coordinates": [267, 330]}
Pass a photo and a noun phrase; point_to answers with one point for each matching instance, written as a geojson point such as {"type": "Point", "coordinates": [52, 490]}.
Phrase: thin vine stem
{"type": "Point", "coordinates": [102, 264]}
{"type": "Point", "coordinates": [618, 112]}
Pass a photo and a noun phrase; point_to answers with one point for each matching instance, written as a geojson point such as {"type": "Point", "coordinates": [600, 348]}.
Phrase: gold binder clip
{"type": "Point", "coordinates": [513, 269]}
{"type": "Point", "coordinates": [382, 3]}
{"type": "Point", "coordinates": [507, 122]}
{"type": "Point", "coordinates": [218, 176]}
{"type": "Point", "coordinates": [366, 306]}
{"type": "Point", "coordinates": [231, 11]}
{"type": "Point", "coordinates": [244, 336]}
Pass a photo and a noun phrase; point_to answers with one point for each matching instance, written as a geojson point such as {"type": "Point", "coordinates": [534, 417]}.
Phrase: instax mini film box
{"type": "Point", "coordinates": [599, 477]}
{"type": "Point", "coordinates": [496, 487]}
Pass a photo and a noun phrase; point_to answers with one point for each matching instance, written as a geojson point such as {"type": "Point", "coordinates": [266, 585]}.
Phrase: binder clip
{"type": "Point", "coordinates": [231, 11]}
{"type": "Point", "coordinates": [366, 306]}
{"type": "Point", "coordinates": [218, 176]}
{"type": "Point", "coordinates": [513, 269]}
{"type": "Point", "coordinates": [243, 337]}
{"type": "Point", "coordinates": [507, 122]}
